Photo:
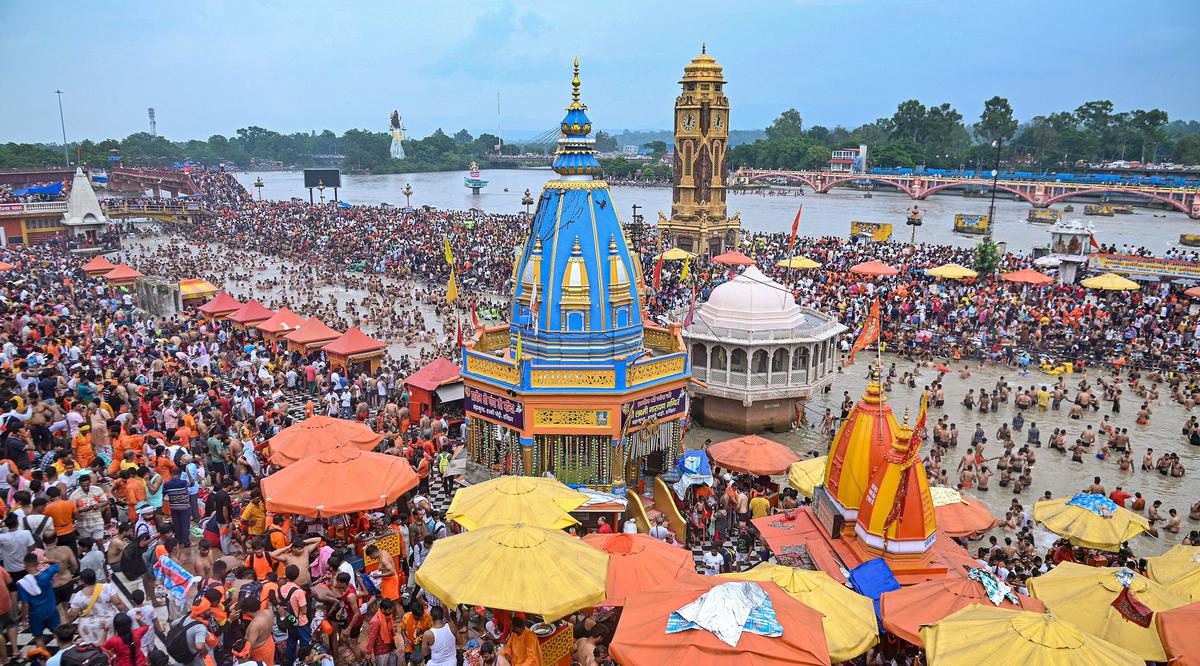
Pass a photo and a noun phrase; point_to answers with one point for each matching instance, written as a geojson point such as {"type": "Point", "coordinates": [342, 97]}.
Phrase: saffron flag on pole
{"type": "Point", "coordinates": [1095, 245]}
{"type": "Point", "coordinates": [658, 272]}
{"type": "Point", "coordinates": [870, 331]}
{"type": "Point", "coordinates": [795, 228]}
{"type": "Point", "coordinates": [449, 254]}
{"type": "Point", "coordinates": [518, 346]}
{"type": "Point", "coordinates": [687, 261]}
{"type": "Point", "coordinates": [687, 321]}
{"type": "Point", "coordinates": [474, 316]}
{"type": "Point", "coordinates": [452, 289]}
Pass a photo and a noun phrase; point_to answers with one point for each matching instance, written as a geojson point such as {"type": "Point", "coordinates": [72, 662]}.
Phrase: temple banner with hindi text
{"type": "Point", "coordinates": [1168, 268]}
{"type": "Point", "coordinates": [653, 407]}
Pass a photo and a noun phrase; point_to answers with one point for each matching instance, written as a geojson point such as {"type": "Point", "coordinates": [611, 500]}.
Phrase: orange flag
{"type": "Point", "coordinates": [870, 331]}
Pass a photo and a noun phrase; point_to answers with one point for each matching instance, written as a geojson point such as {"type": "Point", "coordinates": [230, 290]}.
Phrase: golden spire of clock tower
{"type": "Point", "coordinates": [699, 221]}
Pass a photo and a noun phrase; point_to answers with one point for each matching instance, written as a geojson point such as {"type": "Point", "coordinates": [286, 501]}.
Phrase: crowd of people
{"type": "Point", "coordinates": [131, 441]}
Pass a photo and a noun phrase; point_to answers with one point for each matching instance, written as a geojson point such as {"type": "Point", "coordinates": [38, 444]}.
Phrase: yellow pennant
{"type": "Point", "coordinates": [449, 255]}
{"type": "Point", "coordinates": [452, 289]}
{"type": "Point", "coordinates": [518, 346]}
{"type": "Point", "coordinates": [686, 262]}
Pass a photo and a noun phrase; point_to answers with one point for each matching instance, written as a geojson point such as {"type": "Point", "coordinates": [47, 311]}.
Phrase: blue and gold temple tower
{"type": "Point", "coordinates": [579, 383]}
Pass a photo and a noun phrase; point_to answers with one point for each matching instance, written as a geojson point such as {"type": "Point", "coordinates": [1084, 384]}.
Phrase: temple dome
{"type": "Point", "coordinates": [752, 301]}
{"type": "Point", "coordinates": [703, 67]}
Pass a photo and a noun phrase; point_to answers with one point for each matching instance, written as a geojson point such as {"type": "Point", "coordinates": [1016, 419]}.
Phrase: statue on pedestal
{"type": "Point", "coordinates": [397, 150]}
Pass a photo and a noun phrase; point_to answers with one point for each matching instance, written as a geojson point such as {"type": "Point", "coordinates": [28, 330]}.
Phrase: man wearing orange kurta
{"type": "Point", "coordinates": [522, 646]}
{"type": "Point", "coordinates": [135, 493]}
{"type": "Point", "coordinates": [82, 445]}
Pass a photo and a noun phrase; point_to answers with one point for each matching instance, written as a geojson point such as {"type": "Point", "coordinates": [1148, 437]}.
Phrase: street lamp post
{"type": "Point", "coordinates": [259, 185]}
{"type": "Point", "coordinates": [407, 192]}
{"type": "Point", "coordinates": [63, 123]}
{"type": "Point", "coordinates": [995, 177]}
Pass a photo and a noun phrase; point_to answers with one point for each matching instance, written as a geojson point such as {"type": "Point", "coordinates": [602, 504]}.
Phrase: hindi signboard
{"type": "Point", "coordinates": [505, 411]}
{"type": "Point", "coordinates": [653, 408]}
{"type": "Point", "coordinates": [1166, 268]}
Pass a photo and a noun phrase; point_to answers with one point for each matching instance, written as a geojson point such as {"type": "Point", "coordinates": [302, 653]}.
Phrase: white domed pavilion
{"type": "Point", "coordinates": [760, 354]}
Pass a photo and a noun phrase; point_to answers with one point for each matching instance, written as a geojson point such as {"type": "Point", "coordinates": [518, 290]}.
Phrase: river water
{"type": "Point", "coordinates": [824, 214]}
{"type": "Point", "coordinates": [830, 214]}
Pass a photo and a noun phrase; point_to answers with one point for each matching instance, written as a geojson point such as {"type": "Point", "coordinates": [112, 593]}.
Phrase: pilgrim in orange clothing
{"type": "Point", "coordinates": [82, 445]}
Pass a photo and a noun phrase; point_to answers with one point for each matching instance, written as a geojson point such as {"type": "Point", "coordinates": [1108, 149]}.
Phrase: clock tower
{"type": "Point", "coordinates": [699, 221]}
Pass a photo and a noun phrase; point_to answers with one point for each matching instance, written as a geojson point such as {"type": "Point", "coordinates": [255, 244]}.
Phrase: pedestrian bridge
{"type": "Point", "coordinates": [116, 209]}
{"type": "Point", "coordinates": [1039, 193]}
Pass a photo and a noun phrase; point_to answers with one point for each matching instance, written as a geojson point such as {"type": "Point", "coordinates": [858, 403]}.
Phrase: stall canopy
{"type": "Point", "coordinates": [734, 258]}
{"type": "Point", "coordinates": [505, 500]}
{"type": "Point", "coordinates": [284, 321]}
{"type": "Point", "coordinates": [338, 481]}
{"type": "Point", "coordinates": [638, 562]}
{"type": "Point", "coordinates": [1178, 568]}
{"type": "Point", "coordinates": [1090, 521]}
{"type": "Point", "coordinates": [1027, 276]}
{"type": "Point", "coordinates": [1177, 629]}
{"type": "Point", "coordinates": [318, 434]}
{"type": "Point", "coordinates": [515, 567]}
{"type": "Point", "coordinates": [98, 265]}
{"type": "Point", "coordinates": [441, 378]}
{"type": "Point", "coordinates": [753, 454]}
{"type": "Point", "coordinates": [311, 332]}
{"type": "Point", "coordinates": [122, 273]}
{"type": "Point", "coordinates": [221, 304]}
{"type": "Point", "coordinates": [197, 288]}
{"type": "Point", "coordinates": [250, 313]}
{"type": "Point", "coordinates": [906, 610]}
{"type": "Point", "coordinates": [875, 268]}
{"type": "Point", "coordinates": [983, 634]}
{"type": "Point", "coordinates": [651, 631]}
{"type": "Point", "coordinates": [55, 188]}
{"type": "Point", "coordinates": [958, 515]}
{"type": "Point", "coordinates": [352, 343]}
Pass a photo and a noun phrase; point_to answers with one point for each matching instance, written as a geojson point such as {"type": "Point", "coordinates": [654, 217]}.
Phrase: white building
{"type": "Point", "coordinates": [759, 353]}
{"type": "Point", "coordinates": [84, 217]}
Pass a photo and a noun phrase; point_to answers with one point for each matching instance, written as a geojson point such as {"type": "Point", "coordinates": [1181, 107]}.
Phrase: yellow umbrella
{"type": "Point", "coordinates": [981, 634]}
{"type": "Point", "coordinates": [807, 474]}
{"type": "Point", "coordinates": [798, 262]}
{"type": "Point", "coordinates": [1179, 569]}
{"type": "Point", "coordinates": [1084, 596]}
{"type": "Point", "coordinates": [516, 567]}
{"type": "Point", "coordinates": [1104, 527]}
{"type": "Point", "coordinates": [1110, 282]}
{"type": "Point", "coordinates": [675, 254]}
{"type": "Point", "coordinates": [850, 625]}
{"type": "Point", "coordinates": [951, 271]}
{"type": "Point", "coordinates": [504, 500]}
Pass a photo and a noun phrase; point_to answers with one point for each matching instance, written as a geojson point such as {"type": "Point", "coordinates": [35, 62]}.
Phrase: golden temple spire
{"type": "Point", "coordinates": [575, 83]}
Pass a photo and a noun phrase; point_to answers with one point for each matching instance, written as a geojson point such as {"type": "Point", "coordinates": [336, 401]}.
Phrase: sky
{"type": "Point", "coordinates": [213, 66]}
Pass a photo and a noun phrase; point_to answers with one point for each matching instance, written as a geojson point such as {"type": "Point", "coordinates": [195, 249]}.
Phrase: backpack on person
{"type": "Point", "coordinates": [178, 646]}
{"type": "Point", "coordinates": [132, 565]}
{"type": "Point", "coordinates": [40, 532]}
{"type": "Point", "coordinates": [83, 655]}
{"type": "Point", "coordinates": [285, 617]}
{"type": "Point", "coordinates": [251, 590]}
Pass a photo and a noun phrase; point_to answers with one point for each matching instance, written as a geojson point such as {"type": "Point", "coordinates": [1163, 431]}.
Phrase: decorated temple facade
{"type": "Point", "coordinates": [578, 384]}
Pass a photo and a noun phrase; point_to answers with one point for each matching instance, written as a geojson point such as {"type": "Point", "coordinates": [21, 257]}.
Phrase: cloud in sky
{"type": "Point", "coordinates": [213, 66]}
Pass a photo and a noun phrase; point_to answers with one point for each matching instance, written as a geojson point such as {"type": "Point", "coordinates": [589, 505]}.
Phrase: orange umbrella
{"type": "Point", "coordinates": [754, 454]}
{"type": "Point", "coordinates": [638, 562]}
{"type": "Point", "coordinates": [734, 258]}
{"type": "Point", "coordinates": [1027, 276]}
{"type": "Point", "coordinates": [1177, 629]}
{"type": "Point", "coordinates": [5, 266]}
{"type": "Point", "coordinates": [958, 515]}
{"type": "Point", "coordinates": [317, 434]}
{"type": "Point", "coordinates": [641, 636]}
{"type": "Point", "coordinates": [341, 480]}
{"type": "Point", "coordinates": [1193, 292]}
{"type": "Point", "coordinates": [876, 268]}
{"type": "Point", "coordinates": [906, 610]}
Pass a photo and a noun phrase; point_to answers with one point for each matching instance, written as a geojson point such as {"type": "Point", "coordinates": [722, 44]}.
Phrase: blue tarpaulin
{"type": "Point", "coordinates": [343, 204]}
{"type": "Point", "coordinates": [871, 579]}
{"type": "Point", "coordinates": [56, 188]}
{"type": "Point", "coordinates": [691, 469]}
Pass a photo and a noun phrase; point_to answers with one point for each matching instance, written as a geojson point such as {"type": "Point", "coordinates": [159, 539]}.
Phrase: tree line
{"type": "Point", "coordinates": [916, 134]}
{"type": "Point", "coordinates": [938, 137]}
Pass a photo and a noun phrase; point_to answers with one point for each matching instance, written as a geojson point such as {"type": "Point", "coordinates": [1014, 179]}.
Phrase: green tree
{"type": "Point", "coordinates": [1185, 151]}
{"type": "Point", "coordinates": [1151, 128]}
{"type": "Point", "coordinates": [789, 125]}
{"type": "Point", "coordinates": [657, 149]}
{"type": "Point", "coordinates": [996, 121]}
{"type": "Point", "coordinates": [909, 121]}
{"type": "Point", "coordinates": [987, 257]}
{"type": "Point", "coordinates": [904, 153]}
{"type": "Point", "coordinates": [605, 142]}
{"type": "Point", "coordinates": [463, 136]}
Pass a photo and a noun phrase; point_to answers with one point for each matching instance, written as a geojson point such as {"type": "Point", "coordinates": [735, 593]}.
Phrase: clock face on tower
{"type": "Point", "coordinates": [688, 122]}
{"type": "Point", "coordinates": [719, 121]}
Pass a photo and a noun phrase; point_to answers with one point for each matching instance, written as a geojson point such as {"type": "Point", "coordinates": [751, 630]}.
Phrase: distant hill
{"type": "Point", "coordinates": [642, 137]}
